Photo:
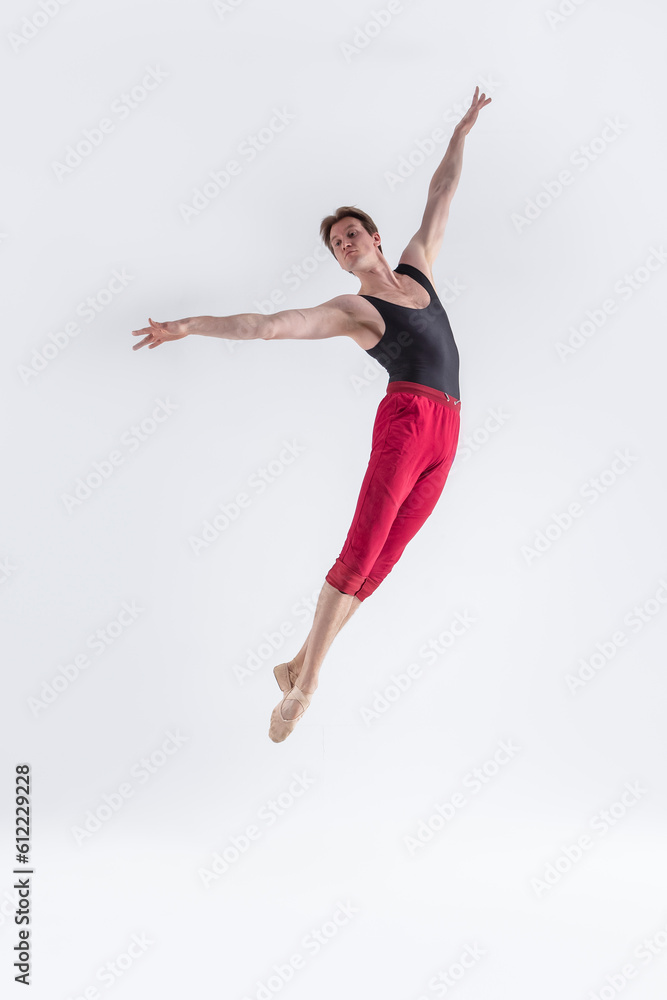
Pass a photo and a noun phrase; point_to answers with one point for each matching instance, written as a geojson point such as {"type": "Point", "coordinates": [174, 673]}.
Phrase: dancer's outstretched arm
{"type": "Point", "coordinates": [334, 318]}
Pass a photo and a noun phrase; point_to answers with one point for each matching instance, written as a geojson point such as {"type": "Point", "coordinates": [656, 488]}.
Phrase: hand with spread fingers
{"type": "Point", "coordinates": [470, 117]}
{"type": "Point", "coordinates": [159, 333]}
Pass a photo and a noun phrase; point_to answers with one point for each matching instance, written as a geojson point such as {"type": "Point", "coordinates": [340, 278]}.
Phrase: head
{"type": "Point", "coordinates": [351, 229]}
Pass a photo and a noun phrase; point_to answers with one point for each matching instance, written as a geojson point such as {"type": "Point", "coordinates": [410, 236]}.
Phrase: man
{"type": "Point", "coordinates": [397, 318]}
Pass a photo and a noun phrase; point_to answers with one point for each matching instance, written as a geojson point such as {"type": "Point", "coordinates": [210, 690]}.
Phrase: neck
{"type": "Point", "coordinates": [377, 279]}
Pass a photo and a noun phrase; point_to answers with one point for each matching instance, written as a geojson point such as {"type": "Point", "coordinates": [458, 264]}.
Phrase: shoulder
{"type": "Point", "coordinates": [359, 317]}
{"type": "Point", "coordinates": [349, 307]}
{"type": "Point", "coordinates": [415, 256]}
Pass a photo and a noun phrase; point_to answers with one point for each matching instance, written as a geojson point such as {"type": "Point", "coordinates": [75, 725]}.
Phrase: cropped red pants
{"type": "Point", "coordinates": [415, 436]}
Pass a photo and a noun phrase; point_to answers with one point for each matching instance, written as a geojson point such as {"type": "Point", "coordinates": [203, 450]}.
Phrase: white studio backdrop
{"type": "Point", "coordinates": [474, 805]}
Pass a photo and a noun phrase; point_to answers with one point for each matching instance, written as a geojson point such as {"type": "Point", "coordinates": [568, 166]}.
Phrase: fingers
{"type": "Point", "coordinates": [482, 100]}
{"type": "Point", "coordinates": [479, 100]}
{"type": "Point", "coordinates": [146, 333]}
{"type": "Point", "coordinates": [153, 335]}
{"type": "Point", "coordinates": [142, 343]}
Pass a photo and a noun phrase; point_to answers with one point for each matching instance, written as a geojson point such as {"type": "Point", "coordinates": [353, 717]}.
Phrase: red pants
{"type": "Point", "coordinates": [415, 436]}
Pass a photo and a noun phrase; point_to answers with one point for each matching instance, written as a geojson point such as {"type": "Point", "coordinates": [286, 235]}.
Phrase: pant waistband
{"type": "Point", "coordinates": [425, 390]}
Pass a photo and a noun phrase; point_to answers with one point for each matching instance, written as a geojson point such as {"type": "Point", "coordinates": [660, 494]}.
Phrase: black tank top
{"type": "Point", "coordinates": [418, 344]}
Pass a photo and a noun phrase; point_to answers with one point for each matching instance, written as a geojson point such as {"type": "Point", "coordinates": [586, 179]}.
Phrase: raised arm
{"type": "Point", "coordinates": [334, 318]}
{"type": "Point", "coordinates": [425, 245]}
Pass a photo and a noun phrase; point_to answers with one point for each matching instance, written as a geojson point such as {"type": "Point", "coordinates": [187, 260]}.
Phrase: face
{"type": "Point", "coordinates": [351, 243]}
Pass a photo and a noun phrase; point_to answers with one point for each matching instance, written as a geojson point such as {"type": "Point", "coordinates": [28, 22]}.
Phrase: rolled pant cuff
{"type": "Point", "coordinates": [369, 587]}
{"type": "Point", "coordinates": [342, 578]}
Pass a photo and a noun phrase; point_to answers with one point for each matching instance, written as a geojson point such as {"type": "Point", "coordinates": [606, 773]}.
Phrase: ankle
{"type": "Point", "coordinates": [308, 687]}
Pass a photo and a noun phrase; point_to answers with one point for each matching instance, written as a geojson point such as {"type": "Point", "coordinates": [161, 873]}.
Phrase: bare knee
{"type": "Point", "coordinates": [328, 589]}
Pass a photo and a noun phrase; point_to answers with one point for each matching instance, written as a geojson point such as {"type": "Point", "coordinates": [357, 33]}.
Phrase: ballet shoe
{"type": "Point", "coordinates": [285, 677]}
{"type": "Point", "coordinates": [280, 727]}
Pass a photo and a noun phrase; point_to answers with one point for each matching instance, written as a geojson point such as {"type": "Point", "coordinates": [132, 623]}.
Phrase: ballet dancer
{"type": "Point", "coordinates": [397, 318]}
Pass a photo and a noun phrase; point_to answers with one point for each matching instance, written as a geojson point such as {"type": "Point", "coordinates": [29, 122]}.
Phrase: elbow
{"type": "Point", "coordinates": [280, 325]}
{"type": "Point", "coordinates": [265, 327]}
{"type": "Point", "coordinates": [444, 188]}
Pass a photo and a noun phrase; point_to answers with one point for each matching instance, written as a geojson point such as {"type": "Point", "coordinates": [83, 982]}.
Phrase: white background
{"type": "Point", "coordinates": [527, 278]}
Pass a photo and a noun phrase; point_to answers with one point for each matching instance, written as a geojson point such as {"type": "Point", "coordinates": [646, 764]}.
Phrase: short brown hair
{"type": "Point", "coordinates": [342, 213]}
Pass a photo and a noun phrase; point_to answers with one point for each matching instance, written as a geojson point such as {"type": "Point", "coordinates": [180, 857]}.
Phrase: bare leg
{"type": "Point", "coordinates": [332, 611]}
{"type": "Point", "coordinates": [295, 665]}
